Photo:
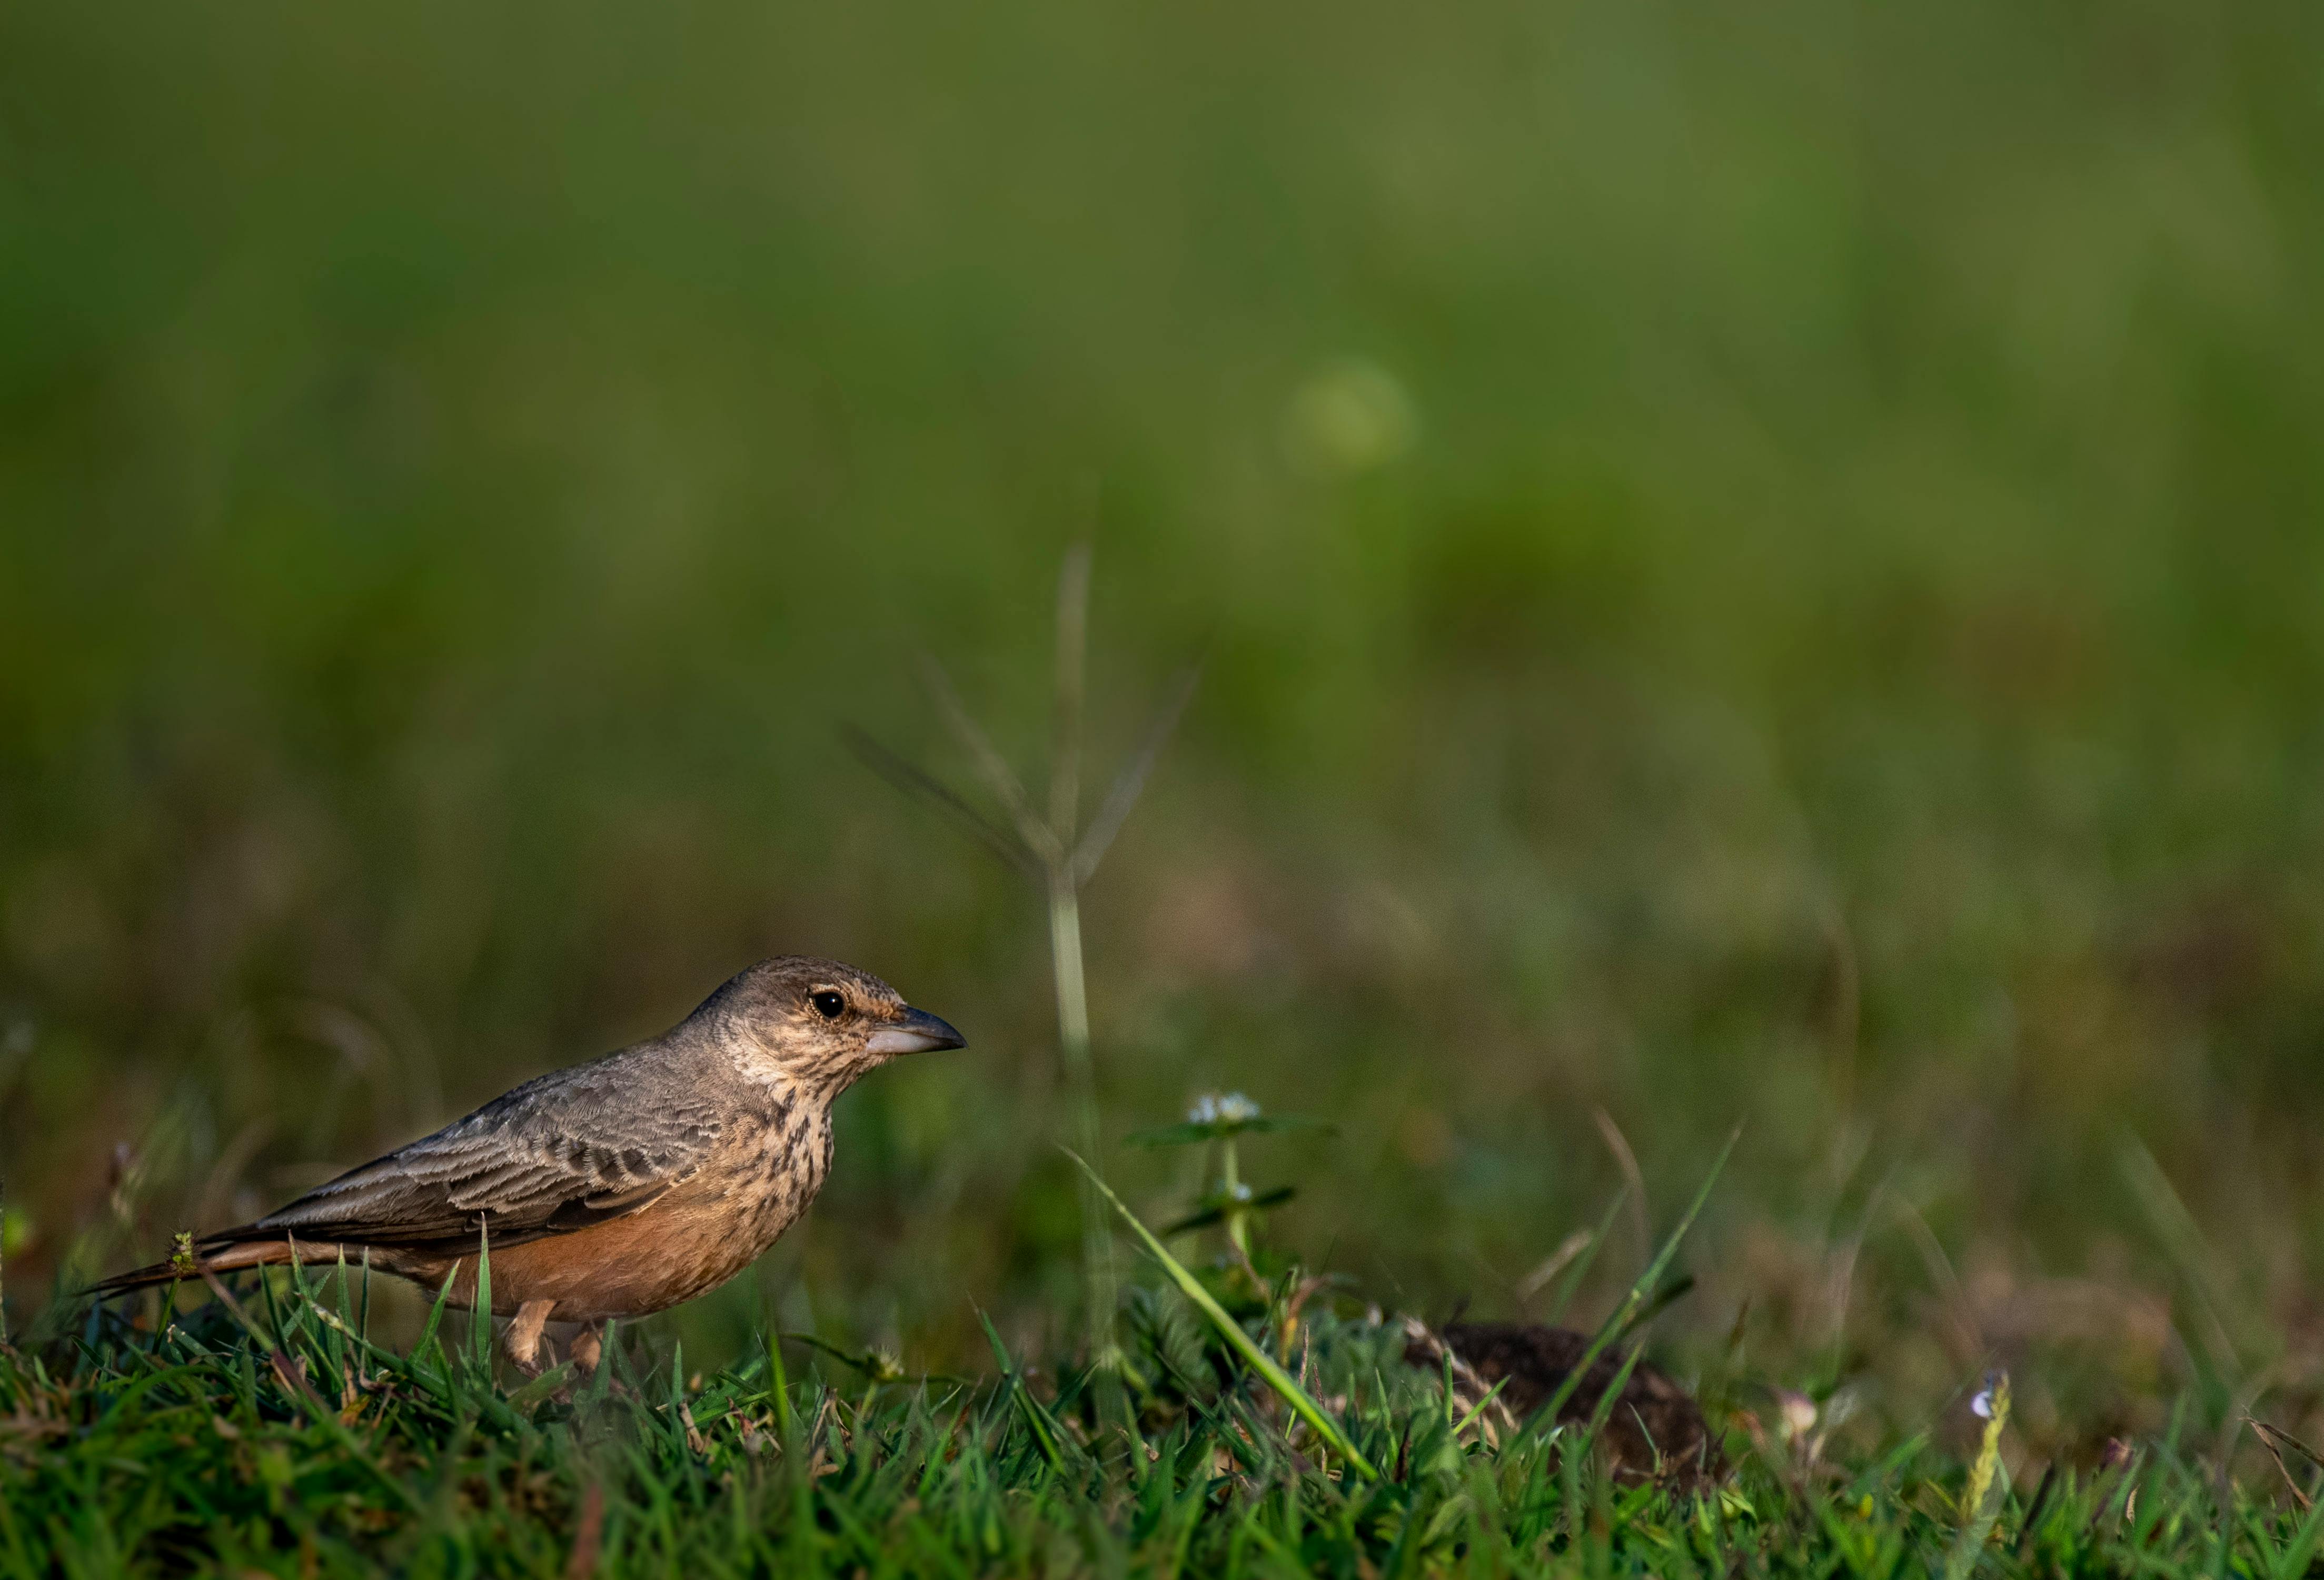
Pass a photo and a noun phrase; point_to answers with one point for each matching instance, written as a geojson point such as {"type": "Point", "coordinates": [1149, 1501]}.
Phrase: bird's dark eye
{"type": "Point", "coordinates": [827, 1003]}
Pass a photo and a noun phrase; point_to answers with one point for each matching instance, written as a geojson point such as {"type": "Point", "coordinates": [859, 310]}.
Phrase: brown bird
{"type": "Point", "coordinates": [615, 1188]}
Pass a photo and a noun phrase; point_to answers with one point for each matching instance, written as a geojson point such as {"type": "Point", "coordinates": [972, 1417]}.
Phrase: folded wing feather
{"type": "Point", "coordinates": [555, 1154]}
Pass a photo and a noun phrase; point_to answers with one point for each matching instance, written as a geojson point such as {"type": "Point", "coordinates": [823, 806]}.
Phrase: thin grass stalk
{"type": "Point", "coordinates": [1270, 1371]}
{"type": "Point", "coordinates": [1058, 850]}
{"type": "Point", "coordinates": [778, 1384]}
{"type": "Point", "coordinates": [1081, 1080]}
{"type": "Point", "coordinates": [480, 1312]}
{"type": "Point", "coordinates": [428, 1330]}
{"type": "Point", "coordinates": [1588, 1256]}
{"type": "Point", "coordinates": [1612, 1396]}
{"type": "Point", "coordinates": [345, 1295]}
{"type": "Point", "coordinates": [1065, 947]}
{"type": "Point", "coordinates": [1620, 1321]}
{"type": "Point", "coordinates": [1066, 728]}
{"type": "Point", "coordinates": [601, 1382]}
{"type": "Point", "coordinates": [2034, 1511]}
{"type": "Point", "coordinates": [1477, 1409]}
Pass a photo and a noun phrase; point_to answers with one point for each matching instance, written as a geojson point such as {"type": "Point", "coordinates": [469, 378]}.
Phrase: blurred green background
{"type": "Point", "coordinates": [1753, 564]}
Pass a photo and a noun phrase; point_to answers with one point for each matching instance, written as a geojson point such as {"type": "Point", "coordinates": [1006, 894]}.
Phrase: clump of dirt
{"type": "Point", "coordinates": [1655, 1430]}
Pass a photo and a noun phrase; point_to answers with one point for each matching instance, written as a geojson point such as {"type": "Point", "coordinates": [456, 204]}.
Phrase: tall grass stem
{"type": "Point", "coordinates": [1056, 848]}
{"type": "Point", "coordinates": [1080, 1082]}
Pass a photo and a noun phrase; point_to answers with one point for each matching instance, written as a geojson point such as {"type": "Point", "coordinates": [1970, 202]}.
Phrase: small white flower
{"type": "Point", "coordinates": [1796, 1411]}
{"type": "Point", "coordinates": [1241, 1191]}
{"type": "Point", "coordinates": [1223, 1108]}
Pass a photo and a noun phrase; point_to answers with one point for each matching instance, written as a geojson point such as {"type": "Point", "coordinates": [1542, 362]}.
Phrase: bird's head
{"type": "Point", "coordinates": [819, 1024]}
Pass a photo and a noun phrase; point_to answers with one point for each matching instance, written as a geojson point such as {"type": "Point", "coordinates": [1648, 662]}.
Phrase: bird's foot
{"type": "Point", "coordinates": [523, 1340]}
{"type": "Point", "coordinates": [588, 1347]}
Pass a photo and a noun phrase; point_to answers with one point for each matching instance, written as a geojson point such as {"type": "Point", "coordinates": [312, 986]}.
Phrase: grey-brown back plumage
{"type": "Point", "coordinates": [569, 1148]}
{"type": "Point", "coordinates": [561, 1152]}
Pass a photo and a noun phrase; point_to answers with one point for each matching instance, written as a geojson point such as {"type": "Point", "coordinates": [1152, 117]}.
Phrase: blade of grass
{"type": "Point", "coordinates": [998, 778]}
{"type": "Point", "coordinates": [1571, 1284]}
{"type": "Point", "coordinates": [365, 1348]}
{"type": "Point", "coordinates": [2185, 1243]}
{"type": "Point", "coordinates": [1662, 1301]}
{"type": "Point", "coordinates": [541, 1387]}
{"type": "Point", "coordinates": [2275, 1439]}
{"type": "Point", "coordinates": [601, 1384]}
{"type": "Point", "coordinates": [1626, 1161]}
{"type": "Point", "coordinates": [1066, 716]}
{"type": "Point", "coordinates": [2032, 1524]}
{"type": "Point", "coordinates": [1478, 1408]}
{"type": "Point", "coordinates": [2292, 1562]}
{"type": "Point", "coordinates": [1640, 1289]}
{"type": "Point", "coordinates": [436, 1318]}
{"type": "Point", "coordinates": [913, 780]}
{"type": "Point", "coordinates": [287, 1373]}
{"type": "Point", "coordinates": [1555, 1263]}
{"type": "Point", "coordinates": [1607, 1400]}
{"type": "Point", "coordinates": [293, 1382]}
{"type": "Point", "coordinates": [1038, 1419]}
{"type": "Point", "coordinates": [779, 1383]}
{"type": "Point", "coordinates": [1080, 1075]}
{"type": "Point", "coordinates": [1130, 782]}
{"type": "Point", "coordinates": [1229, 1329]}
{"type": "Point", "coordinates": [480, 1325]}
{"type": "Point", "coordinates": [340, 1354]}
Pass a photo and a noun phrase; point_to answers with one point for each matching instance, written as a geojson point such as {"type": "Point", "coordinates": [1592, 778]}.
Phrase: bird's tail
{"type": "Point", "coordinates": [217, 1259]}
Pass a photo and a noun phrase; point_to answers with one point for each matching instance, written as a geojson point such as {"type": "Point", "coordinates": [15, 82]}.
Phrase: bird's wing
{"type": "Point", "coordinates": [556, 1154]}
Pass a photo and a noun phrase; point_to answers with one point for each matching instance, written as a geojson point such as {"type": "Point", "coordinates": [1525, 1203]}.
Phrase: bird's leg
{"type": "Point", "coordinates": [523, 1340]}
{"type": "Point", "coordinates": [587, 1349]}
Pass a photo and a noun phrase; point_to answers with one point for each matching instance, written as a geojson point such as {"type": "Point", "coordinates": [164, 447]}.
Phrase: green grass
{"type": "Point", "coordinates": [270, 1434]}
{"type": "Point", "coordinates": [294, 1447]}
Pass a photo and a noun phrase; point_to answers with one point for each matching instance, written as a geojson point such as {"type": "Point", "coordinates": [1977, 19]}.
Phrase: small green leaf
{"type": "Point", "coordinates": [1214, 1207]}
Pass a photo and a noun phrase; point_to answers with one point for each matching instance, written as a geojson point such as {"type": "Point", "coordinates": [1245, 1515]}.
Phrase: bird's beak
{"type": "Point", "coordinates": [913, 1031]}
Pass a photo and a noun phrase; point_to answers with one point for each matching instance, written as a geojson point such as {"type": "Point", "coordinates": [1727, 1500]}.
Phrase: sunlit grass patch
{"type": "Point", "coordinates": [267, 1433]}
